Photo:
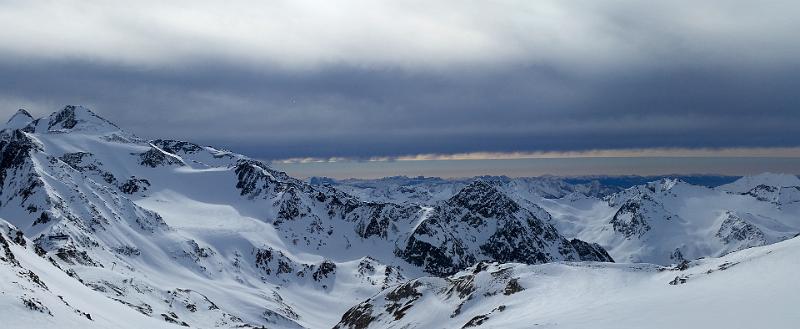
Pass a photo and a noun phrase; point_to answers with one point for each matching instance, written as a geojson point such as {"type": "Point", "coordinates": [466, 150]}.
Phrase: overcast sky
{"type": "Point", "coordinates": [286, 79]}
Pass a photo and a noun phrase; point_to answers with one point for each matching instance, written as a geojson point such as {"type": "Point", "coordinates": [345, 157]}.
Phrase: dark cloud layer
{"type": "Point", "coordinates": [675, 93]}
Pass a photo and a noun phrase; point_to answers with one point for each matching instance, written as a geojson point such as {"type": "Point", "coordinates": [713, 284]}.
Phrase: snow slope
{"type": "Point", "coordinates": [38, 294]}
{"type": "Point", "coordinates": [781, 190]}
{"type": "Point", "coordinates": [667, 221]}
{"type": "Point", "coordinates": [753, 288]}
{"type": "Point", "coordinates": [745, 184]}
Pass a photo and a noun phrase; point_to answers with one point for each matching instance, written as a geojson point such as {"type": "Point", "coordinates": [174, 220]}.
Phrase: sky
{"type": "Point", "coordinates": [377, 79]}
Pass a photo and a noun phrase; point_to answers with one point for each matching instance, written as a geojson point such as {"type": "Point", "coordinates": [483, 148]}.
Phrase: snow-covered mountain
{"type": "Point", "coordinates": [482, 223]}
{"type": "Point", "coordinates": [667, 221]}
{"type": "Point", "coordinates": [746, 184]}
{"type": "Point", "coordinates": [101, 228]}
{"type": "Point", "coordinates": [198, 236]}
{"type": "Point", "coordinates": [780, 189]}
{"type": "Point", "coordinates": [664, 221]}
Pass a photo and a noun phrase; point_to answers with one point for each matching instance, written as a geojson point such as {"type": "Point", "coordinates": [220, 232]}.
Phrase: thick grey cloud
{"type": "Point", "coordinates": [297, 79]}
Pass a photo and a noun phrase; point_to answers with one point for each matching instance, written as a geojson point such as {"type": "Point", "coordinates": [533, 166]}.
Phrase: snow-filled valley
{"type": "Point", "coordinates": [101, 228]}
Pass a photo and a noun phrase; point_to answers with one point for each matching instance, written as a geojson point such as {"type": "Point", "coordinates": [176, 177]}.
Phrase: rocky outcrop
{"type": "Point", "coordinates": [591, 251]}
{"type": "Point", "coordinates": [400, 306]}
{"type": "Point", "coordinates": [155, 157]}
{"type": "Point", "coordinates": [630, 220]}
{"type": "Point", "coordinates": [739, 233]}
{"type": "Point", "coordinates": [480, 223]}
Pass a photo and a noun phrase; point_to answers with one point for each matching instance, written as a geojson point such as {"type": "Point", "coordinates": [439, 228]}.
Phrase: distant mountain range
{"type": "Point", "coordinates": [102, 228]}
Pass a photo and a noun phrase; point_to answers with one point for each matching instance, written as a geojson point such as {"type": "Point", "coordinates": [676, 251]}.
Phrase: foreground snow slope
{"type": "Point", "coordinates": [38, 294]}
{"type": "Point", "coordinates": [753, 288]}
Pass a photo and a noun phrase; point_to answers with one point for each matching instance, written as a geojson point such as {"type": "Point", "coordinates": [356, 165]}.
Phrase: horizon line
{"type": "Point", "coordinates": [734, 152]}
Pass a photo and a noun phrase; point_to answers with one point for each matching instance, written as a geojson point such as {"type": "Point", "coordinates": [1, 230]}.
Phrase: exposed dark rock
{"type": "Point", "coordinates": [35, 305]}
{"type": "Point", "coordinates": [358, 317]}
{"type": "Point", "coordinates": [591, 251]}
{"type": "Point", "coordinates": [678, 280]}
{"type": "Point", "coordinates": [134, 185]}
{"type": "Point", "coordinates": [464, 286]}
{"type": "Point", "coordinates": [402, 298]}
{"type": "Point", "coordinates": [14, 153]}
{"type": "Point", "coordinates": [682, 266]}
{"type": "Point", "coordinates": [271, 261]}
{"type": "Point", "coordinates": [173, 318]}
{"type": "Point", "coordinates": [71, 255]}
{"type": "Point", "coordinates": [155, 157]}
{"type": "Point", "coordinates": [736, 230]}
{"type": "Point", "coordinates": [175, 147]}
{"type": "Point", "coordinates": [512, 287]}
{"type": "Point", "coordinates": [68, 118]}
{"type": "Point", "coordinates": [476, 321]}
{"type": "Point", "coordinates": [677, 255]}
{"type": "Point", "coordinates": [325, 269]}
{"type": "Point", "coordinates": [629, 219]}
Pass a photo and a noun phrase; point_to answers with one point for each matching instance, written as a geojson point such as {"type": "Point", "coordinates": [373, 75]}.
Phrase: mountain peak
{"type": "Point", "coordinates": [664, 184]}
{"type": "Point", "coordinates": [19, 120]}
{"type": "Point", "coordinates": [76, 118]}
{"type": "Point", "coordinates": [482, 196]}
{"type": "Point", "coordinates": [476, 189]}
{"type": "Point", "coordinates": [747, 183]}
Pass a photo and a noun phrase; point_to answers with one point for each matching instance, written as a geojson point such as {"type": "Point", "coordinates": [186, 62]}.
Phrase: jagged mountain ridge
{"type": "Point", "coordinates": [440, 243]}
{"type": "Point", "coordinates": [169, 227]}
{"type": "Point", "coordinates": [429, 190]}
{"type": "Point", "coordinates": [668, 221]}
{"type": "Point", "coordinates": [664, 221]}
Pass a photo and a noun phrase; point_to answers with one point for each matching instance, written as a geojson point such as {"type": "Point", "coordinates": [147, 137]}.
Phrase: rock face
{"type": "Point", "coordinates": [632, 218]}
{"type": "Point", "coordinates": [441, 240]}
{"type": "Point", "coordinates": [780, 196]}
{"type": "Point", "coordinates": [481, 223]}
{"type": "Point", "coordinates": [77, 116]}
{"type": "Point", "coordinates": [155, 157]}
{"type": "Point", "coordinates": [591, 251]}
{"type": "Point", "coordinates": [319, 217]}
{"type": "Point", "coordinates": [739, 233]}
